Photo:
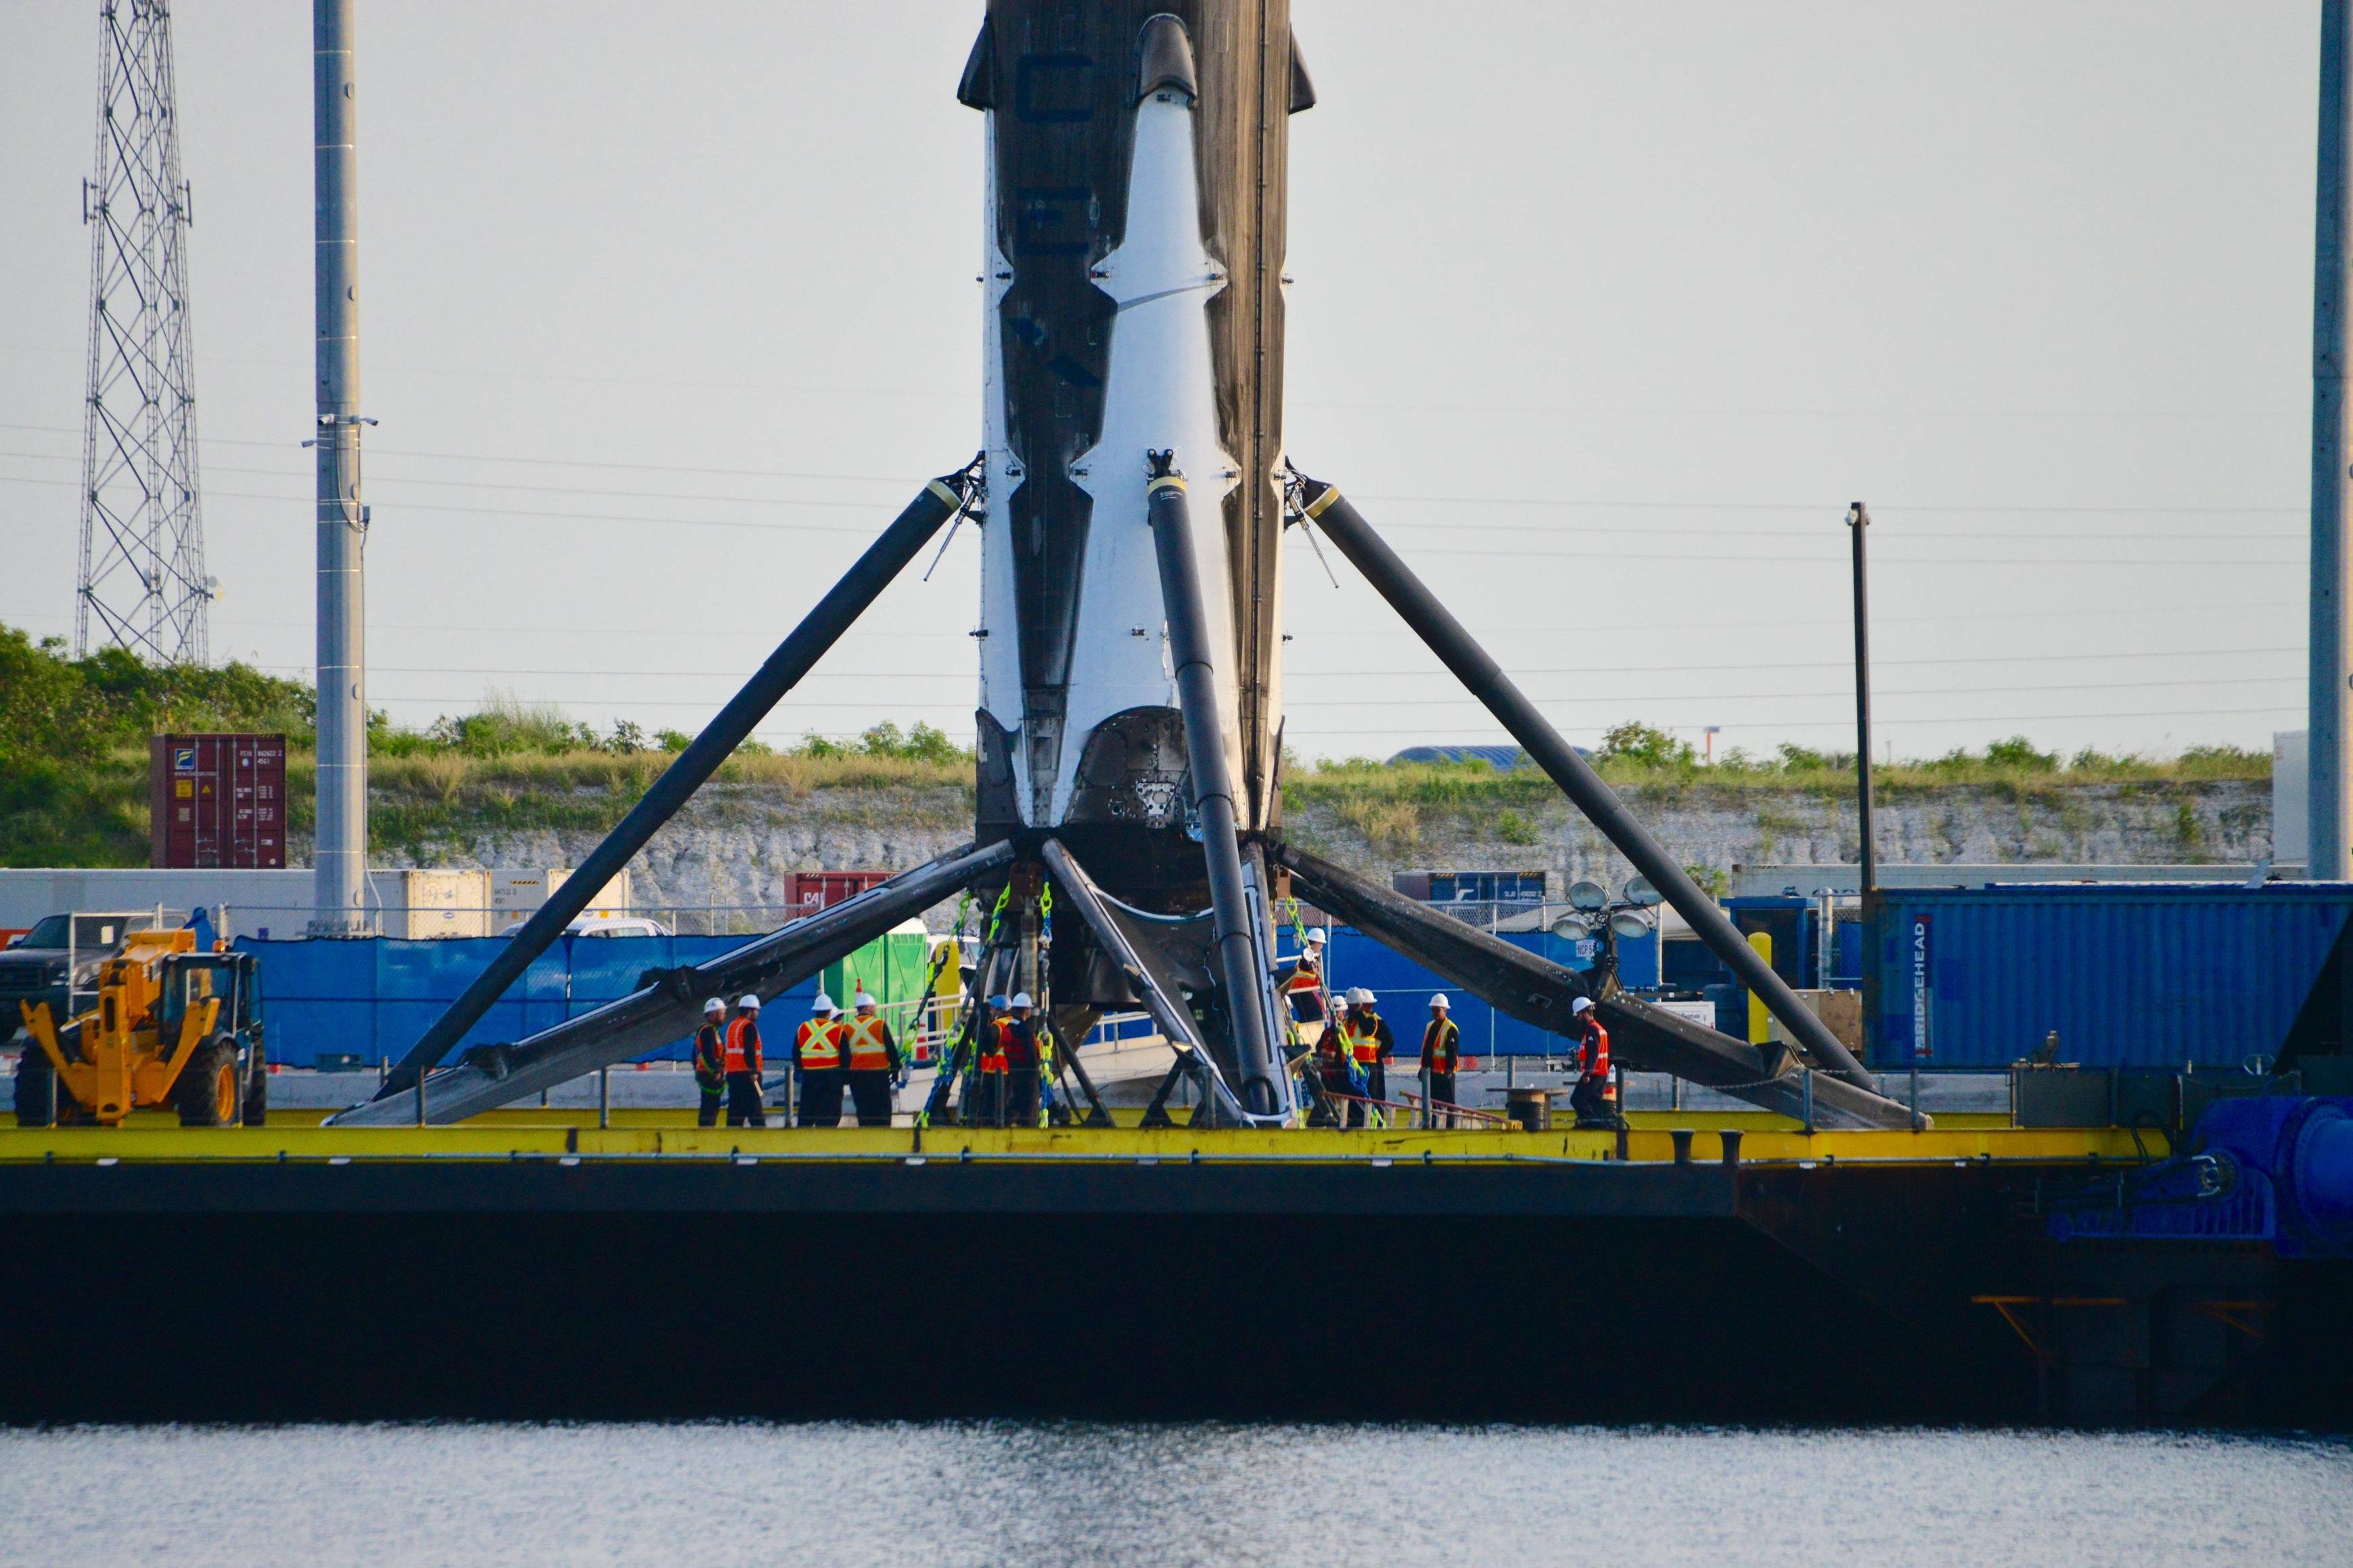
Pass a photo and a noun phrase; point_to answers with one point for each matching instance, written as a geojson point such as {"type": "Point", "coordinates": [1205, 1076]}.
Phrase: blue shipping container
{"type": "Point", "coordinates": [374, 997]}
{"type": "Point", "coordinates": [2129, 975]}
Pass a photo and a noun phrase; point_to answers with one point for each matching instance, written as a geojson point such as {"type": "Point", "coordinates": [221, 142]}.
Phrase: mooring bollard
{"type": "Point", "coordinates": [1683, 1137]}
{"type": "Point", "coordinates": [1731, 1136]}
{"type": "Point", "coordinates": [603, 1097]}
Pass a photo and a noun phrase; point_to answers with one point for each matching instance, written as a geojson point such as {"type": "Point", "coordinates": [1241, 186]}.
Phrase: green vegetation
{"type": "Point", "coordinates": [73, 742]}
{"type": "Point", "coordinates": [73, 766]}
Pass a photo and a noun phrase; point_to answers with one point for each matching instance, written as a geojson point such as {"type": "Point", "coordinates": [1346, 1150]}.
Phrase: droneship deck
{"type": "Point", "coordinates": [531, 1264]}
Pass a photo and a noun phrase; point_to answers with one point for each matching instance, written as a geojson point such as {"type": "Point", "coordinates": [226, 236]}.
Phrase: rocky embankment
{"type": "Point", "coordinates": [735, 846]}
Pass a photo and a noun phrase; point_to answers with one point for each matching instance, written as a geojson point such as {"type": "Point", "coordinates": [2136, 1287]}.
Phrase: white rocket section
{"type": "Point", "coordinates": [1000, 643]}
{"type": "Point", "coordinates": [1160, 394]}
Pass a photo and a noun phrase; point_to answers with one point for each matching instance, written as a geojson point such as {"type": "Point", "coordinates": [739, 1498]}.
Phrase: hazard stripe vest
{"type": "Point", "coordinates": [1305, 976]}
{"type": "Point", "coordinates": [992, 1051]}
{"type": "Point", "coordinates": [1363, 1041]}
{"type": "Point", "coordinates": [818, 1045]}
{"type": "Point", "coordinates": [1441, 1045]}
{"type": "Point", "coordinates": [742, 1054]}
{"type": "Point", "coordinates": [1596, 1050]}
{"type": "Point", "coordinates": [867, 1051]}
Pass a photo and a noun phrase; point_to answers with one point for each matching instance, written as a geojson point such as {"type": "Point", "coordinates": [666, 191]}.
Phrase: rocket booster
{"type": "Point", "coordinates": [1132, 267]}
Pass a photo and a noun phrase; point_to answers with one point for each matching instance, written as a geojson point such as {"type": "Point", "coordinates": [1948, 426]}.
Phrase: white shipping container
{"type": "Point", "coordinates": [516, 893]}
{"type": "Point", "coordinates": [425, 904]}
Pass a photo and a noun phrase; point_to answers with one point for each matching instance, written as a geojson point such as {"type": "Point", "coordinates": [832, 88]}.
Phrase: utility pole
{"type": "Point", "coordinates": [141, 581]}
{"type": "Point", "coordinates": [2331, 657]}
{"type": "Point", "coordinates": [1858, 522]}
{"type": "Point", "coordinates": [341, 858]}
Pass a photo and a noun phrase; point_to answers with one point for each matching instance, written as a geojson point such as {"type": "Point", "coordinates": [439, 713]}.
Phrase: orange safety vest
{"type": "Point", "coordinates": [818, 1045]}
{"type": "Point", "coordinates": [992, 1051]}
{"type": "Point", "coordinates": [742, 1045]}
{"type": "Point", "coordinates": [867, 1052]}
{"type": "Point", "coordinates": [1363, 1044]}
{"type": "Point", "coordinates": [1304, 976]}
{"type": "Point", "coordinates": [1596, 1050]}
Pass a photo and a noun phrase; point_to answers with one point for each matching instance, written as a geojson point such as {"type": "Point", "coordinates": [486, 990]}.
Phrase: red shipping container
{"type": "Point", "coordinates": [217, 801]}
{"type": "Point", "coordinates": [806, 892]}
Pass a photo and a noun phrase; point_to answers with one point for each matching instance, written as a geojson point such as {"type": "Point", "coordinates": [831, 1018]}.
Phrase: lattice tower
{"type": "Point", "coordinates": [143, 580]}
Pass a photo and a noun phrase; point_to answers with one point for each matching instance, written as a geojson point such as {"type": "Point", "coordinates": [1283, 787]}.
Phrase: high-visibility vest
{"type": "Point", "coordinates": [710, 1054]}
{"type": "Point", "coordinates": [818, 1045]}
{"type": "Point", "coordinates": [1596, 1049]}
{"type": "Point", "coordinates": [867, 1033]}
{"type": "Point", "coordinates": [1441, 1046]}
{"type": "Point", "coordinates": [1304, 976]}
{"type": "Point", "coordinates": [1363, 1040]}
{"type": "Point", "coordinates": [743, 1053]}
{"type": "Point", "coordinates": [992, 1051]}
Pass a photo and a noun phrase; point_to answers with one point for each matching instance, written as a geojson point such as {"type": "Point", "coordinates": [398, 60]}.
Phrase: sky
{"type": "Point", "coordinates": [1602, 312]}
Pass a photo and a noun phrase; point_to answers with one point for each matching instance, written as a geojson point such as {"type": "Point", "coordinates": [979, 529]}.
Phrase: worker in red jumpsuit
{"type": "Point", "coordinates": [1593, 1099]}
{"type": "Point", "coordinates": [1018, 1038]}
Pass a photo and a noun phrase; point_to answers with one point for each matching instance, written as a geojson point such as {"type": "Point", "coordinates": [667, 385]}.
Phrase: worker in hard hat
{"type": "Point", "coordinates": [1442, 1054]}
{"type": "Point", "coordinates": [1019, 1036]}
{"type": "Point", "coordinates": [1301, 982]}
{"type": "Point", "coordinates": [741, 1058]}
{"type": "Point", "coordinates": [1370, 1046]}
{"type": "Point", "coordinates": [985, 1089]}
{"type": "Point", "coordinates": [1595, 1097]}
{"type": "Point", "coordinates": [711, 1062]}
{"type": "Point", "coordinates": [817, 1054]}
{"type": "Point", "coordinates": [873, 1062]}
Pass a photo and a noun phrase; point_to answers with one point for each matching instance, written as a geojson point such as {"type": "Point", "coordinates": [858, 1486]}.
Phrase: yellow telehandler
{"type": "Point", "coordinates": [172, 1027]}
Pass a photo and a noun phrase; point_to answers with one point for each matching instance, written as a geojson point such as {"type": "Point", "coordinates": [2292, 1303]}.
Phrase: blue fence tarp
{"type": "Point", "coordinates": [372, 998]}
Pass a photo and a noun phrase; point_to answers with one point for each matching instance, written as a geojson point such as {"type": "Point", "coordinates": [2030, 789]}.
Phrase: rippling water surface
{"type": "Point", "coordinates": [1124, 1497]}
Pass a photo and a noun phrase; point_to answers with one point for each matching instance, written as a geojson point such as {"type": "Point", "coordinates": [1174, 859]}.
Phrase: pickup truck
{"type": "Point", "coordinates": [57, 961]}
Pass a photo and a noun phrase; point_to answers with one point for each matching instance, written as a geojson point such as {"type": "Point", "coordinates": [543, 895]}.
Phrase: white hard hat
{"type": "Point", "coordinates": [1360, 997]}
{"type": "Point", "coordinates": [1021, 999]}
{"type": "Point", "coordinates": [862, 1000]}
{"type": "Point", "coordinates": [1315, 939]}
{"type": "Point", "coordinates": [1439, 1001]}
{"type": "Point", "coordinates": [821, 1002]}
{"type": "Point", "coordinates": [1582, 1004]}
{"type": "Point", "coordinates": [750, 1000]}
{"type": "Point", "coordinates": [715, 1006]}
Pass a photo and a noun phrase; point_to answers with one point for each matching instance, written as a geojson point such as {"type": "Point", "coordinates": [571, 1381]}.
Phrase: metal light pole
{"type": "Point", "coordinates": [1858, 522]}
{"type": "Point", "coordinates": [341, 857]}
{"type": "Point", "coordinates": [2328, 860]}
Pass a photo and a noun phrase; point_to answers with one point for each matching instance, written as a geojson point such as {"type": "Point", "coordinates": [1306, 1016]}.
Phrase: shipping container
{"type": "Point", "coordinates": [424, 905]}
{"type": "Point", "coordinates": [217, 801]}
{"type": "Point", "coordinates": [516, 893]}
{"type": "Point", "coordinates": [806, 892]}
{"type": "Point", "coordinates": [2128, 975]}
{"type": "Point", "coordinates": [1473, 886]}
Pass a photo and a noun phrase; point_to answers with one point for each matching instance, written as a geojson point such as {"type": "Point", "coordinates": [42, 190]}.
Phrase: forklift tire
{"type": "Point", "coordinates": [210, 1091]}
{"type": "Point", "coordinates": [256, 1093]}
{"type": "Point", "coordinates": [35, 1080]}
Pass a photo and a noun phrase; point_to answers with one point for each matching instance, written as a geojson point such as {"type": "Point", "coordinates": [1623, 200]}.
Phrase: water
{"type": "Point", "coordinates": [945, 1495]}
